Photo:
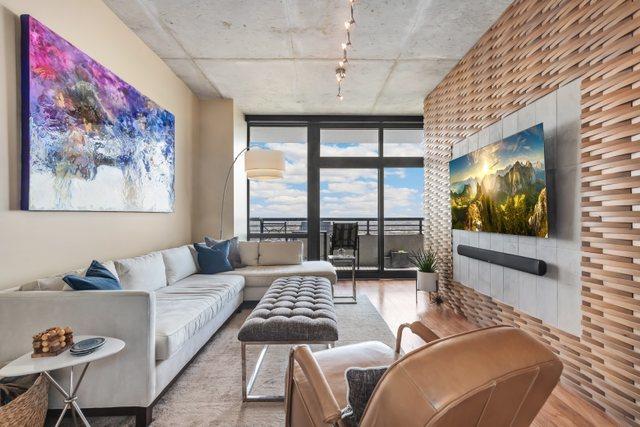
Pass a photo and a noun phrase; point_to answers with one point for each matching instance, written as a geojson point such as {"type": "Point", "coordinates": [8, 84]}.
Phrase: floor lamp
{"type": "Point", "coordinates": [259, 165]}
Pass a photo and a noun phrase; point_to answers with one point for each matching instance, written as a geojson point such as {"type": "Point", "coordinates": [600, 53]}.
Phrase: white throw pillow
{"type": "Point", "coordinates": [109, 265]}
{"type": "Point", "coordinates": [248, 252]}
{"type": "Point", "coordinates": [143, 273]}
{"type": "Point", "coordinates": [179, 263]}
{"type": "Point", "coordinates": [53, 283]}
{"type": "Point", "coordinates": [280, 253]}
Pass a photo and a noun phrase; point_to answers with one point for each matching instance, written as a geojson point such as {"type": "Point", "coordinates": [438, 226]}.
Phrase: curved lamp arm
{"type": "Point", "coordinates": [224, 192]}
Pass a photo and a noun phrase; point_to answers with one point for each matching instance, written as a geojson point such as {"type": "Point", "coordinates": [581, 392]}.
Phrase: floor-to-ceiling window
{"type": "Point", "coordinates": [364, 170]}
{"type": "Point", "coordinates": [278, 209]}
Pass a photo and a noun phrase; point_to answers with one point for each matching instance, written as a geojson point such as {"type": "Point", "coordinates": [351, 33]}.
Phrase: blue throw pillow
{"type": "Point", "coordinates": [234, 252]}
{"type": "Point", "coordinates": [212, 260]}
{"type": "Point", "coordinates": [97, 278]}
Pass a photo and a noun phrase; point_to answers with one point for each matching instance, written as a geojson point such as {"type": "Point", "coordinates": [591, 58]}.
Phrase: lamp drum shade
{"type": "Point", "coordinates": [264, 165]}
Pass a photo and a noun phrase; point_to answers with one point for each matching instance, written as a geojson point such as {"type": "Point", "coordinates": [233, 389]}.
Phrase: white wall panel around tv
{"type": "Point", "coordinates": [555, 297]}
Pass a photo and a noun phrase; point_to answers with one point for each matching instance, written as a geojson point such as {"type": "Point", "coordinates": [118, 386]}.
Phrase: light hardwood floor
{"type": "Point", "coordinates": [396, 302]}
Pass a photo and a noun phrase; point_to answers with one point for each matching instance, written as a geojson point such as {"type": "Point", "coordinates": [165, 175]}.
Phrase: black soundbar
{"type": "Point", "coordinates": [516, 262]}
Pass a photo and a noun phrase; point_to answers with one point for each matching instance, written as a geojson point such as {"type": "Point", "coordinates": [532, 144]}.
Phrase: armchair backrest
{"type": "Point", "coordinates": [488, 377]}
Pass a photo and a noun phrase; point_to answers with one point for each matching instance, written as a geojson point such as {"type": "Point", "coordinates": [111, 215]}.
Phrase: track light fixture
{"type": "Point", "coordinates": [341, 71]}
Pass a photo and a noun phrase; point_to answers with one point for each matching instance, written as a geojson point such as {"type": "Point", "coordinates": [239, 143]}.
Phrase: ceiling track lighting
{"type": "Point", "coordinates": [341, 71]}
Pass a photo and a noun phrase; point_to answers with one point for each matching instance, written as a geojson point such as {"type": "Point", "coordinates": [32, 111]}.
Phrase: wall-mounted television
{"type": "Point", "coordinates": [501, 188]}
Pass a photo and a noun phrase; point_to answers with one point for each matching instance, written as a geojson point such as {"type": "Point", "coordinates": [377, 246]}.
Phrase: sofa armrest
{"type": "Point", "coordinates": [125, 379]}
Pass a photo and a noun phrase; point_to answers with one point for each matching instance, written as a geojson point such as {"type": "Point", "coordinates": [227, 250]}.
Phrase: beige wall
{"type": "Point", "coordinates": [240, 180]}
{"type": "Point", "coordinates": [35, 244]}
{"type": "Point", "coordinates": [220, 131]}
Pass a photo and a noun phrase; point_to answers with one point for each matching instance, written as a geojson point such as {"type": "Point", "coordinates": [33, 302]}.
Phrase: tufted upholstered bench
{"type": "Point", "coordinates": [294, 310]}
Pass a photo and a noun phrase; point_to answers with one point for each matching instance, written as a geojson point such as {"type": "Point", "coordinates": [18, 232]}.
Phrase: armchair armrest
{"type": "Point", "coordinates": [328, 405]}
{"type": "Point", "coordinates": [125, 379]}
{"type": "Point", "coordinates": [417, 328]}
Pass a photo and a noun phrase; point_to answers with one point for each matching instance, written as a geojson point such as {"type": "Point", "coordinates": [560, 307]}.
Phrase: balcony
{"type": "Point", "coordinates": [401, 235]}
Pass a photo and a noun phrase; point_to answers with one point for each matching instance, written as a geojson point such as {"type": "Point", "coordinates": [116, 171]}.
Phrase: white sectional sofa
{"type": "Point", "coordinates": [165, 313]}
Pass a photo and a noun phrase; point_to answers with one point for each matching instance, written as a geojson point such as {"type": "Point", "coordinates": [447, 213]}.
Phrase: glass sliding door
{"type": "Point", "coordinates": [278, 209]}
{"type": "Point", "coordinates": [403, 218]}
{"type": "Point", "coordinates": [349, 196]}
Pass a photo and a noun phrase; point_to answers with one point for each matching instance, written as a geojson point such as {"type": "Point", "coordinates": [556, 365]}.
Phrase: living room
{"type": "Point", "coordinates": [338, 212]}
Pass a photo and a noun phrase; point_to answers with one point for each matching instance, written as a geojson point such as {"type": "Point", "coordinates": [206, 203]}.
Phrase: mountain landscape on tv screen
{"type": "Point", "coordinates": [501, 188]}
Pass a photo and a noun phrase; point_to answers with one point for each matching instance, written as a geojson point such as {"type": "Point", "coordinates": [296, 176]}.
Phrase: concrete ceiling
{"type": "Point", "coordinates": [279, 56]}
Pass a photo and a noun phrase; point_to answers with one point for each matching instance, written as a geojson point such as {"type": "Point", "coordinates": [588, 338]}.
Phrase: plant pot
{"type": "Point", "coordinates": [427, 282]}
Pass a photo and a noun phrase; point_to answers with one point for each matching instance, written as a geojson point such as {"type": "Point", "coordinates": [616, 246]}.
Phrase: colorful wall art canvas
{"type": "Point", "coordinates": [90, 141]}
{"type": "Point", "coordinates": [502, 188]}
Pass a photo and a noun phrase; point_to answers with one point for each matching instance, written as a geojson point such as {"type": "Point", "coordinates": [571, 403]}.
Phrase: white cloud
{"type": "Point", "coordinates": [402, 202]}
{"type": "Point", "coordinates": [348, 150]}
{"type": "Point", "coordinates": [348, 175]}
{"type": "Point", "coordinates": [397, 149]}
{"type": "Point", "coordinates": [344, 192]}
{"type": "Point", "coordinates": [357, 187]}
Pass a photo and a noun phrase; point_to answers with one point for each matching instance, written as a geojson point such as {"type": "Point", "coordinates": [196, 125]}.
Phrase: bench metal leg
{"type": "Point", "coordinates": [247, 387]}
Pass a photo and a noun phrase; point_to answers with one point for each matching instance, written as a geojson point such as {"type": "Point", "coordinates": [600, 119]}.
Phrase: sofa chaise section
{"type": "Point", "coordinates": [258, 278]}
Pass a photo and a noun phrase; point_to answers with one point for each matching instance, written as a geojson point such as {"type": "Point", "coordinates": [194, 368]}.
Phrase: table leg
{"type": "Point", "coordinates": [64, 411]}
{"type": "Point", "coordinates": [353, 281]}
{"type": "Point", "coordinates": [73, 414]}
{"type": "Point", "coordinates": [70, 397]}
{"type": "Point", "coordinates": [80, 414]}
{"type": "Point", "coordinates": [347, 299]}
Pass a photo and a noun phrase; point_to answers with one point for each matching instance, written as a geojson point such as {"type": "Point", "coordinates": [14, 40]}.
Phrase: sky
{"type": "Point", "coordinates": [523, 146]}
{"type": "Point", "coordinates": [343, 192]}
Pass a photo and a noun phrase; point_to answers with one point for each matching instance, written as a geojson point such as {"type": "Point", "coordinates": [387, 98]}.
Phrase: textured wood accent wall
{"type": "Point", "coordinates": [535, 47]}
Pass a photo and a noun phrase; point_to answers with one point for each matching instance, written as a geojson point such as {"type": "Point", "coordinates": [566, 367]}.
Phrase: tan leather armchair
{"type": "Point", "coordinates": [497, 376]}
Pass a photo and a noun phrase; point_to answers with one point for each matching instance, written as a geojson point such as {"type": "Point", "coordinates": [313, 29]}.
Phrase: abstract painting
{"type": "Point", "coordinates": [502, 188]}
{"type": "Point", "coordinates": [90, 141]}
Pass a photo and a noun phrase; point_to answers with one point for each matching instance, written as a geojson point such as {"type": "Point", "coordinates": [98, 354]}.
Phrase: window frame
{"type": "Point", "coordinates": [315, 162]}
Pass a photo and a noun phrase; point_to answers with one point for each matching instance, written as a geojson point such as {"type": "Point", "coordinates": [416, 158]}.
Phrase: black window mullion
{"type": "Point", "coordinates": [313, 192]}
{"type": "Point", "coordinates": [380, 200]}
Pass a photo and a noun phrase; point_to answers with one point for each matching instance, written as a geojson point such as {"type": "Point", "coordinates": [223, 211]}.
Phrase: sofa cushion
{"type": "Point", "coordinates": [143, 273]}
{"type": "Point", "coordinates": [264, 275]}
{"type": "Point", "coordinates": [248, 252]}
{"type": "Point", "coordinates": [234, 253]}
{"type": "Point", "coordinates": [179, 263]}
{"type": "Point", "coordinates": [55, 283]}
{"type": "Point", "coordinates": [280, 253]}
{"type": "Point", "coordinates": [185, 307]}
{"type": "Point", "coordinates": [214, 260]}
{"type": "Point", "coordinates": [97, 278]}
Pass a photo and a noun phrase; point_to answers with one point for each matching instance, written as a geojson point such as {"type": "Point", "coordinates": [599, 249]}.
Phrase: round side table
{"type": "Point", "coordinates": [26, 365]}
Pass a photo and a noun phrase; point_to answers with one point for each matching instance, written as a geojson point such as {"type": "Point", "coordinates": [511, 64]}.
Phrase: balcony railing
{"type": "Point", "coordinates": [400, 234]}
{"type": "Point", "coordinates": [297, 227]}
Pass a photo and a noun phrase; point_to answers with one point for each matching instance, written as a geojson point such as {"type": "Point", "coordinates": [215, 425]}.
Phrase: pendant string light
{"type": "Point", "coordinates": [341, 70]}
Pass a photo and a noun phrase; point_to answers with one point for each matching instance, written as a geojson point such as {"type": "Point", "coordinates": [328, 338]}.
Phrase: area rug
{"type": "Point", "coordinates": [208, 393]}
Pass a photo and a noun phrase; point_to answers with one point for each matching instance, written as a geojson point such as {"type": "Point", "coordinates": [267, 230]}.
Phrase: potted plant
{"type": "Point", "coordinates": [426, 261]}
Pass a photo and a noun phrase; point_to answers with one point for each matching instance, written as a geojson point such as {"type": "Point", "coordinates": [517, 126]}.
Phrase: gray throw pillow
{"type": "Point", "coordinates": [234, 253]}
{"type": "Point", "coordinates": [361, 383]}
